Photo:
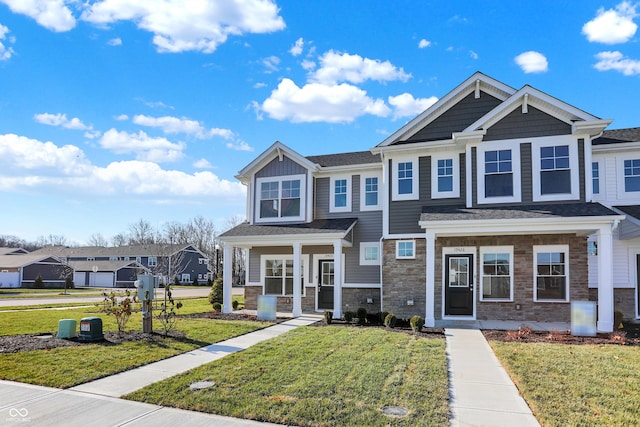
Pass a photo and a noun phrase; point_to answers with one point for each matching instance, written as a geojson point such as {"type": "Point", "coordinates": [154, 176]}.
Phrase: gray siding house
{"type": "Point", "coordinates": [483, 207]}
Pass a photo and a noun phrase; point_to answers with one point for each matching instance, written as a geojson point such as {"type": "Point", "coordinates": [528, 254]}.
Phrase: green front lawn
{"type": "Point", "coordinates": [576, 384]}
{"type": "Point", "coordinates": [320, 376]}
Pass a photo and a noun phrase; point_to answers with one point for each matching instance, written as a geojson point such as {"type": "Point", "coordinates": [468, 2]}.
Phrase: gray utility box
{"type": "Point", "coordinates": [91, 329]}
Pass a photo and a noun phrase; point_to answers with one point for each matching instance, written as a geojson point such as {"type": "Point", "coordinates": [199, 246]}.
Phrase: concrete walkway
{"type": "Point", "coordinates": [481, 392]}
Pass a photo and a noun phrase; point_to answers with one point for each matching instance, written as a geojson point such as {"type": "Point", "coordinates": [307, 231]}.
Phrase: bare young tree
{"type": "Point", "coordinates": [141, 233]}
{"type": "Point", "coordinates": [239, 255]}
{"type": "Point", "coordinates": [97, 239]}
{"type": "Point", "coordinates": [119, 240]}
{"type": "Point", "coordinates": [52, 240]}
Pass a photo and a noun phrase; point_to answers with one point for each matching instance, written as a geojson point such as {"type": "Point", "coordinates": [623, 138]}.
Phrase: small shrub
{"type": "Point", "coordinates": [167, 313]}
{"type": "Point", "coordinates": [556, 335]}
{"type": "Point", "coordinates": [417, 323]}
{"type": "Point", "coordinates": [617, 319]}
{"type": "Point", "coordinates": [176, 282]}
{"type": "Point", "coordinates": [38, 283]}
{"type": "Point", "coordinates": [348, 316]}
{"type": "Point", "coordinates": [217, 293]}
{"type": "Point", "coordinates": [328, 317]}
{"type": "Point", "coordinates": [120, 305]}
{"type": "Point", "coordinates": [618, 337]}
{"type": "Point", "coordinates": [195, 282]}
{"type": "Point", "coordinates": [68, 283]}
{"type": "Point", "coordinates": [390, 320]}
{"type": "Point", "coordinates": [235, 304]}
{"type": "Point", "coordinates": [361, 315]}
{"type": "Point", "coordinates": [217, 306]}
{"type": "Point", "coordinates": [383, 316]}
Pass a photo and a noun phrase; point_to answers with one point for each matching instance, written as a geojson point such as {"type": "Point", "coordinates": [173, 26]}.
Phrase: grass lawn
{"type": "Point", "coordinates": [47, 293]}
{"type": "Point", "coordinates": [576, 384]}
{"type": "Point", "coordinates": [320, 376]}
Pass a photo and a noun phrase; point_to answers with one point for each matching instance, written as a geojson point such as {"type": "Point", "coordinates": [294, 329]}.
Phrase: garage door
{"type": "Point", "coordinates": [101, 280]}
{"type": "Point", "coordinates": [10, 280]}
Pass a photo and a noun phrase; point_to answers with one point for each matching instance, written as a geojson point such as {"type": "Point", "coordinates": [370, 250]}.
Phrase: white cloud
{"type": "Point", "coordinates": [424, 43]}
{"type": "Point", "coordinates": [613, 25]}
{"type": "Point", "coordinates": [532, 62]}
{"type": "Point", "coordinates": [316, 102]}
{"type": "Point", "coordinates": [180, 26]}
{"type": "Point", "coordinates": [405, 105]}
{"type": "Point", "coordinates": [239, 146]}
{"type": "Point", "coordinates": [42, 166]}
{"type": "Point", "coordinates": [259, 85]}
{"type": "Point", "coordinates": [618, 62]}
{"type": "Point", "coordinates": [308, 64]}
{"type": "Point", "coordinates": [51, 14]}
{"type": "Point", "coordinates": [202, 164]}
{"type": "Point", "coordinates": [121, 117]}
{"type": "Point", "coordinates": [145, 147]}
{"type": "Point", "coordinates": [473, 55]}
{"type": "Point", "coordinates": [115, 42]}
{"type": "Point", "coordinates": [271, 63]}
{"type": "Point", "coordinates": [172, 125]}
{"type": "Point", "coordinates": [61, 120]}
{"type": "Point", "coordinates": [296, 49]}
{"type": "Point", "coordinates": [5, 51]}
{"type": "Point", "coordinates": [338, 67]}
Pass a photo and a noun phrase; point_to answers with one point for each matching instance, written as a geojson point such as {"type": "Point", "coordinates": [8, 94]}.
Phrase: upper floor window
{"type": "Point", "coordinates": [340, 194]}
{"type": "Point", "coordinates": [369, 192]}
{"type": "Point", "coordinates": [280, 198]}
{"type": "Point", "coordinates": [632, 175]}
{"type": "Point", "coordinates": [595, 177]}
{"type": "Point", "coordinates": [551, 273]}
{"type": "Point", "coordinates": [405, 182]}
{"type": "Point", "coordinates": [445, 179]}
{"type": "Point", "coordinates": [555, 176]}
{"type": "Point", "coordinates": [498, 178]}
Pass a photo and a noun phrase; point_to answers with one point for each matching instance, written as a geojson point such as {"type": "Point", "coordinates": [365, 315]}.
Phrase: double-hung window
{"type": "Point", "coordinates": [555, 173]}
{"type": "Point", "coordinates": [445, 175]}
{"type": "Point", "coordinates": [595, 177]}
{"type": "Point", "coordinates": [340, 194]}
{"type": "Point", "coordinates": [278, 275]}
{"type": "Point", "coordinates": [405, 179]}
{"type": "Point", "coordinates": [551, 273]}
{"type": "Point", "coordinates": [280, 198]}
{"type": "Point", "coordinates": [632, 175]}
{"type": "Point", "coordinates": [369, 192]}
{"type": "Point", "coordinates": [498, 173]}
{"type": "Point", "coordinates": [497, 273]}
{"type": "Point", "coordinates": [445, 178]}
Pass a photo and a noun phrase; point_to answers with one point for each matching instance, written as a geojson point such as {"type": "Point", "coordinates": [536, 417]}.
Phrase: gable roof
{"type": "Point", "coordinates": [22, 260]}
{"type": "Point", "coordinates": [277, 149]}
{"type": "Point", "coordinates": [13, 251]}
{"type": "Point", "coordinates": [115, 251]}
{"type": "Point", "coordinates": [105, 266]}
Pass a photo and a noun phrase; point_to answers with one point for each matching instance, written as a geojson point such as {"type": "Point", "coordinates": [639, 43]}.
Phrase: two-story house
{"type": "Point", "coordinates": [480, 208]}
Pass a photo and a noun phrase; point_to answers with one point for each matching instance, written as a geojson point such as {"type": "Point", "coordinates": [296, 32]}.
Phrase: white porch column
{"type": "Point", "coordinates": [605, 280]}
{"type": "Point", "coordinates": [337, 279]}
{"type": "Point", "coordinates": [430, 318]}
{"type": "Point", "coordinates": [227, 279]}
{"type": "Point", "coordinates": [297, 295]}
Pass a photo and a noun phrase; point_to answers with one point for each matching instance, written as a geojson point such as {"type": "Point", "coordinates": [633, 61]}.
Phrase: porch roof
{"type": "Point", "coordinates": [319, 228]}
{"type": "Point", "coordinates": [581, 218]}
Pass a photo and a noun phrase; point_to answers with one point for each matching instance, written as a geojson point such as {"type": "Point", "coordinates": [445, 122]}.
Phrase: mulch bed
{"type": "Point", "coordinates": [628, 335]}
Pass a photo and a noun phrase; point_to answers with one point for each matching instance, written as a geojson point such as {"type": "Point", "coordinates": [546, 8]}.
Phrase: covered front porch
{"type": "Point", "coordinates": [291, 260]}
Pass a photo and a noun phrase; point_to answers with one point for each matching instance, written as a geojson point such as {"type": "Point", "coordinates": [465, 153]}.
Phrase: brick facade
{"type": "Point", "coordinates": [406, 279]}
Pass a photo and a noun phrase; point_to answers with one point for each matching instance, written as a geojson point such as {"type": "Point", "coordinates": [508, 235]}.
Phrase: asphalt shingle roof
{"type": "Point", "coordinates": [319, 226]}
{"type": "Point", "coordinates": [631, 210]}
{"type": "Point", "coordinates": [617, 136]}
{"type": "Point", "coordinates": [560, 210]}
{"type": "Point", "coordinates": [342, 159]}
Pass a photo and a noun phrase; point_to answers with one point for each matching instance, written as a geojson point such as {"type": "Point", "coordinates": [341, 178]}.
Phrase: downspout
{"type": "Point", "coordinates": [381, 264]}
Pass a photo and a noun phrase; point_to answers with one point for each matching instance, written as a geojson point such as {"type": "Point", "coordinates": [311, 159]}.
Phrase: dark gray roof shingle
{"type": "Point", "coordinates": [632, 210]}
{"type": "Point", "coordinates": [618, 136]}
{"type": "Point", "coordinates": [342, 159]}
{"type": "Point", "coordinates": [560, 210]}
{"type": "Point", "coordinates": [318, 226]}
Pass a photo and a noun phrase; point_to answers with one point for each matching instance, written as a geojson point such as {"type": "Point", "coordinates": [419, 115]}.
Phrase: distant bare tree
{"type": "Point", "coordinates": [52, 240]}
{"type": "Point", "coordinates": [141, 233]}
{"type": "Point", "coordinates": [119, 240]}
{"type": "Point", "coordinates": [97, 239]}
{"type": "Point", "coordinates": [239, 256]}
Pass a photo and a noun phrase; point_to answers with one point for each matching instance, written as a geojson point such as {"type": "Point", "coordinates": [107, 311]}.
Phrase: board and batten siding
{"type": "Point", "coordinates": [457, 118]}
{"type": "Point", "coordinates": [277, 167]}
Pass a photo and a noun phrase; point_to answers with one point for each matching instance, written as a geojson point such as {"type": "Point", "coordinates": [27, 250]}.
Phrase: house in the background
{"type": "Point", "coordinates": [21, 270]}
{"type": "Point", "coordinates": [184, 262]}
{"type": "Point", "coordinates": [480, 208]}
{"type": "Point", "coordinates": [13, 251]}
{"type": "Point", "coordinates": [107, 274]}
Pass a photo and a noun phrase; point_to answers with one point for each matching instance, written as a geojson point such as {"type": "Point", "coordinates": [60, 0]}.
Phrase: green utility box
{"type": "Point", "coordinates": [67, 328]}
{"type": "Point", "coordinates": [91, 329]}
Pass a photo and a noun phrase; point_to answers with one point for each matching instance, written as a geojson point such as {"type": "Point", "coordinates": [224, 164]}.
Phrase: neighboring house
{"type": "Point", "coordinates": [480, 208]}
{"type": "Point", "coordinates": [168, 261]}
{"type": "Point", "coordinates": [107, 274]}
{"type": "Point", "coordinates": [13, 251]}
{"type": "Point", "coordinates": [21, 270]}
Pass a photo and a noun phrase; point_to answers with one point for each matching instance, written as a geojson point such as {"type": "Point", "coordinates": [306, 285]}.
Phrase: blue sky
{"type": "Point", "coordinates": [113, 111]}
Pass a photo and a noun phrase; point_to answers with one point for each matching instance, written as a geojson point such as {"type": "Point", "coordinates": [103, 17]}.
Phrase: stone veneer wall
{"type": "Point", "coordinates": [355, 298]}
{"type": "Point", "coordinates": [406, 279]}
{"type": "Point", "coordinates": [624, 300]}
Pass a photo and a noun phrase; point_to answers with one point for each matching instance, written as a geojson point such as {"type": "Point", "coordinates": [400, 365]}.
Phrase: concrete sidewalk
{"type": "Point", "coordinates": [481, 392]}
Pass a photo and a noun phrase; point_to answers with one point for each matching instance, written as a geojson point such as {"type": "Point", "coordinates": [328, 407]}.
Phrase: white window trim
{"type": "Point", "coordinates": [363, 193]}
{"type": "Point", "coordinates": [574, 167]}
{"type": "Point", "coordinates": [622, 193]}
{"type": "Point", "coordinates": [602, 189]}
{"type": "Point", "coordinates": [363, 247]}
{"type": "Point", "coordinates": [413, 242]}
{"type": "Point", "coordinates": [305, 271]}
{"type": "Point", "coordinates": [332, 192]}
{"type": "Point", "coordinates": [514, 146]}
{"type": "Point", "coordinates": [414, 195]}
{"type": "Point", "coordinates": [496, 250]}
{"type": "Point", "coordinates": [551, 248]}
{"type": "Point", "coordinates": [455, 192]}
{"type": "Point", "coordinates": [279, 179]}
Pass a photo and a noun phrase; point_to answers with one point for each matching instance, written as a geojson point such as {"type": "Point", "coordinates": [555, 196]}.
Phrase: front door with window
{"type": "Point", "coordinates": [325, 285]}
{"type": "Point", "coordinates": [458, 285]}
